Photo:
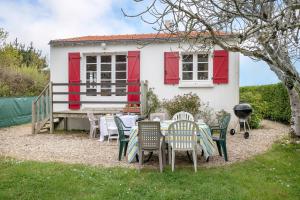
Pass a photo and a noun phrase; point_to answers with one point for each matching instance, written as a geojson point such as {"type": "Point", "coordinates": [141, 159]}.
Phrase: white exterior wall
{"type": "Point", "coordinates": [223, 96]}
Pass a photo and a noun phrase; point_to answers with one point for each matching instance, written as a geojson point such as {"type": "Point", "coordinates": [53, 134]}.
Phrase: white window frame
{"type": "Point", "coordinates": [87, 71]}
{"type": "Point", "coordinates": [195, 82]}
{"type": "Point", "coordinates": [98, 71]}
{"type": "Point", "coordinates": [111, 73]}
{"type": "Point", "coordinates": [115, 72]}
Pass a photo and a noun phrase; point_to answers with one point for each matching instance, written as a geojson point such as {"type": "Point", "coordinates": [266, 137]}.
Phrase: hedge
{"type": "Point", "coordinates": [268, 101]}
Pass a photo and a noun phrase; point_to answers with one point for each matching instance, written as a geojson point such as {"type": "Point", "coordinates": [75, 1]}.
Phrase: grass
{"type": "Point", "coordinates": [273, 175]}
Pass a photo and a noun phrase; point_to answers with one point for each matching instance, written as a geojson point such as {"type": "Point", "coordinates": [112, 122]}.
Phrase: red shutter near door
{"type": "Point", "coordinates": [74, 77]}
{"type": "Point", "coordinates": [171, 67]}
{"type": "Point", "coordinates": [133, 75]}
{"type": "Point", "coordinates": [220, 74]}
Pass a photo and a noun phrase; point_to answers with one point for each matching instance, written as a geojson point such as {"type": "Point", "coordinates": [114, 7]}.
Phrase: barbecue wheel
{"type": "Point", "coordinates": [246, 135]}
{"type": "Point", "coordinates": [232, 132]}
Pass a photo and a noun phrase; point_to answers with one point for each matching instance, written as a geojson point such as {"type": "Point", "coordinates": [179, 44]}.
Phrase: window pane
{"type": "Point", "coordinates": [120, 83]}
{"type": "Point", "coordinates": [91, 77]}
{"type": "Point", "coordinates": [121, 92]}
{"type": "Point", "coordinates": [202, 66]}
{"type": "Point", "coordinates": [121, 66]}
{"type": "Point", "coordinates": [91, 92]}
{"type": "Point", "coordinates": [105, 59]}
{"type": "Point", "coordinates": [91, 59]}
{"type": "Point", "coordinates": [120, 75]}
{"type": "Point", "coordinates": [187, 67]}
{"type": "Point", "coordinates": [202, 75]}
{"type": "Point", "coordinates": [105, 84]}
{"type": "Point", "coordinates": [105, 67]}
{"type": "Point", "coordinates": [121, 58]}
{"type": "Point", "coordinates": [106, 75]}
{"type": "Point", "coordinates": [187, 58]}
{"type": "Point", "coordinates": [91, 67]}
{"type": "Point", "coordinates": [202, 57]}
{"type": "Point", "coordinates": [187, 75]}
{"type": "Point", "coordinates": [105, 92]}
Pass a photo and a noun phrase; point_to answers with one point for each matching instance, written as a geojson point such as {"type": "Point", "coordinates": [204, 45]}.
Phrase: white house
{"type": "Point", "coordinates": [170, 68]}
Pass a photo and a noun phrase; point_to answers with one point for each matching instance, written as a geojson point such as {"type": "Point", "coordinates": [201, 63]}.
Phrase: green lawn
{"type": "Point", "coordinates": [274, 175]}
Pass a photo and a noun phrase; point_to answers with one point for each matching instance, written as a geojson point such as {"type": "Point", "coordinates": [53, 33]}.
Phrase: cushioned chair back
{"type": "Point", "coordinates": [120, 127]}
{"type": "Point", "coordinates": [183, 116]}
{"type": "Point", "coordinates": [183, 135]}
{"type": "Point", "coordinates": [149, 135]}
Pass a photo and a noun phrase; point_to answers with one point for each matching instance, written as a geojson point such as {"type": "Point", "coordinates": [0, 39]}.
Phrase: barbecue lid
{"type": "Point", "coordinates": [242, 106]}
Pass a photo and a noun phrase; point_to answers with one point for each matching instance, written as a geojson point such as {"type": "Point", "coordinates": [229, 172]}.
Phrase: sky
{"type": "Point", "coordinates": [40, 21]}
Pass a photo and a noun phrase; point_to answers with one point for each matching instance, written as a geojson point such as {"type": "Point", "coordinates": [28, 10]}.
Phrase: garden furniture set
{"type": "Point", "coordinates": [166, 137]}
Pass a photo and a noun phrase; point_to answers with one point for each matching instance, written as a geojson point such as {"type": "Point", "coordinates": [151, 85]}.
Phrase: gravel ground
{"type": "Point", "coordinates": [18, 142]}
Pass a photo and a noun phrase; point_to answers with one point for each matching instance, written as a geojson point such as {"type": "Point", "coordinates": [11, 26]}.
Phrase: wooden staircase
{"type": "Point", "coordinates": [42, 111]}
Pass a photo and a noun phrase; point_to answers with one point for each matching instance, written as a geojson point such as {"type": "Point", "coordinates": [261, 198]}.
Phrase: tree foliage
{"type": "Point", "coordinates": [20, 68]}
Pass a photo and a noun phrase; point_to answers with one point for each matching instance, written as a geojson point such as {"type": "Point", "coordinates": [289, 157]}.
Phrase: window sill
{"type": "Point", "coordinates": [194, 84]}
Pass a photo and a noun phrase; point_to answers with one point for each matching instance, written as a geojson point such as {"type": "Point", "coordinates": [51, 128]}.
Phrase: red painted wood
{"type": "Point", "coordinates": [133, 74]}
{"type": "Point", "coordinates": [74, 77]}
{"type": "Point", "coordinates": [220, 68]}
{"type": "Point", "coordinates": [171, 68]}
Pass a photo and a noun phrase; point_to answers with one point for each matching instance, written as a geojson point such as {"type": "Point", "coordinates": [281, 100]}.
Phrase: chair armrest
{"type": "Point", "coordinates": [127, 127]}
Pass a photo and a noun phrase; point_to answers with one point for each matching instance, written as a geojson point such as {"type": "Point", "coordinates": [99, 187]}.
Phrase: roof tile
{"type": "Point", "coordinates": [126, 37]}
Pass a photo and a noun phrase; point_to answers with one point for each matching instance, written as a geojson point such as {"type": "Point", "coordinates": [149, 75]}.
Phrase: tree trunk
{"type": "Point", "coordinates": [295, 111]}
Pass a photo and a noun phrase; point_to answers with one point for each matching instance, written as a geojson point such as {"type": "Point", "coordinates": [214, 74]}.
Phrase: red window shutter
{"type": "Point", "coordinates": [171, 65]}
{"type": "Point", "coordinates": [74, 77]}
{"type": "Point", "coordinates": [220, 74]}
{"type": "Point", "coordinates": [133, 75]}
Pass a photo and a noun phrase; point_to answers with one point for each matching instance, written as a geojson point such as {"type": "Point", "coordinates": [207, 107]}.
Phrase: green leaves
{"type": "Point", "coordinates": [188, 102]}
{"type": "Point", "coordinates": [268, 102]}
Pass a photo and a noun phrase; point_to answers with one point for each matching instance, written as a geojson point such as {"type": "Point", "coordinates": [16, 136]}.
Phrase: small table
{"type": "Point", "coordinates": [128, 120]}
{"type": "Point", "coordinates": [204, 138]}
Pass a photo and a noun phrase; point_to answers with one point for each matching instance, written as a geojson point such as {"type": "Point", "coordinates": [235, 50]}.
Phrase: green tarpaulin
{"type": "Point", "coordinates": [15, 111]}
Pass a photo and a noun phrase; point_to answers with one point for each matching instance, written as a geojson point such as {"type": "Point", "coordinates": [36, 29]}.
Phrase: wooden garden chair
{"type": "Point", "coordinates": [183, 116]}
{"type": "Point", "coordinates": [221, 139]}
{"type": "Point", "coordinates": [182, 136]}
{"type": "Point", "coordinates": [151, 139]}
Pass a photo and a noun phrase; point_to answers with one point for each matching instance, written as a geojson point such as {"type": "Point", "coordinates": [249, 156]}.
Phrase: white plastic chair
{"type": "Point", "coordinates": [183, 116]}
{"type": "Point", "coordinates": [93, 124]}
{"type": "Point", "coordinates": [182, 136]}
{"type": "Point", "coordinates": [112, 129]}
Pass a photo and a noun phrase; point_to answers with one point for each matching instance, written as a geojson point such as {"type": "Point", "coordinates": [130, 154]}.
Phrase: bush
{"type": "Point", "coordinates": [268, 101]}
{"type": "Point", "coordinates": [258, 105]}
{"type": "Point", "coordinates": [153, 101]}
{"type": "Point", "coordinates": [24, 81]}
{"type": "Point", "coordinates": [188, 102]}
{"type": "Point", "coordinates": [207, 114]}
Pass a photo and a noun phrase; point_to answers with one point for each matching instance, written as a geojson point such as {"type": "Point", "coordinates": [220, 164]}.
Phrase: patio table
{"type": "Point", "coordinates": [128, 120]}
{"type": "Point", "coordinates": [204, 138]}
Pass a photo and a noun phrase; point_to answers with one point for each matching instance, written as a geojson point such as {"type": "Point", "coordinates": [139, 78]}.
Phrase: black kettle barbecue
{"type": "Point", "coordinates": [243, 112]}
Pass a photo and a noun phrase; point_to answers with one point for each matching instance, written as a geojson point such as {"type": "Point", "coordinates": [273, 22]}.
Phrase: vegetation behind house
{"type": "Point", "coordinates": [268, 102]}
{"type": "Point", "coordinates": [20, 69]}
